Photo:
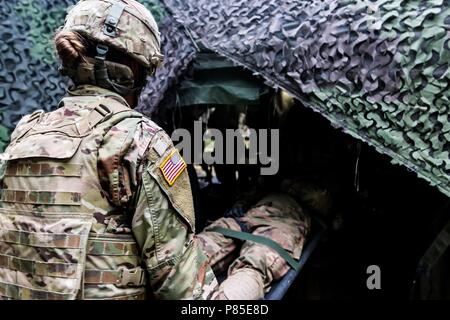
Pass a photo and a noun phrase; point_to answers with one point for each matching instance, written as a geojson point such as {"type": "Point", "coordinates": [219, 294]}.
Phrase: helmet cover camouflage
{"type": "Point", "coordinates": [125, 25]}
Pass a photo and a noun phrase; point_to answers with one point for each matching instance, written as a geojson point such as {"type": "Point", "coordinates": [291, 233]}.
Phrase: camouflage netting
{"type": "Point", "coordinates": [378, 69]}
{"type": "Point", "coordinates": [178, 54]}
{"type": "Point", "coordinates": [29, 77]}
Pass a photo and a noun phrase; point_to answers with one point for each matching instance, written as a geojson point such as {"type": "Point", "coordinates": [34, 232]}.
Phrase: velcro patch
{"type": "Point", "coordinates": [160, 147]}
{"type": "Point", "coordinates": [172, 167]}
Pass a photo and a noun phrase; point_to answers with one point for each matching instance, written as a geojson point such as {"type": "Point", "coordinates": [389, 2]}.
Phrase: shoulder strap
{"type": "Point", "coordinates": [100, 113]}
{"type": "Point", "coordinates": [259, 239]}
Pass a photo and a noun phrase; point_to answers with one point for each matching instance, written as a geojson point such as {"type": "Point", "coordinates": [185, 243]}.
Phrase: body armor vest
{"type": "Point", "coordinates": [55, 220]}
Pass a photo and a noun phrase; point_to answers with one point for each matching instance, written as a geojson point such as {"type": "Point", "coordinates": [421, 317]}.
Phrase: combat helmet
{"type": "Point", "coordinates": [124, 25]}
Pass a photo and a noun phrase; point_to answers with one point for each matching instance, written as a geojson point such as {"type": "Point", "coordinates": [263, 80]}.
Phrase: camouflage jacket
{"type": "Point", "coordinates": [135, 197]}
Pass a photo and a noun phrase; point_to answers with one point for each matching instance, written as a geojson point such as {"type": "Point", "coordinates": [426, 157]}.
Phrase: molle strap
{"type": "Point", "coordinates": [40, 197]}
{"type": "Point", "coordinates": [111, 248]}
{"type": "Point", "coordinates": [43, 169]}
{"type": "Point", "coordinates": [55, 246]}
{"type": "Point", "coordinates": [43, 240]}
{"type": "Point", "coordinates": [101, 276]}
{"type": "Point", "coordinates": [64, 270]}
{"type": "Point", "coordinates": [138, 296]}
{"type": "Point", "coordinates": [17, 292]}
{"type": "Point", "coordinates": [121, 277]}
{"type": "Point", "coordinates": [99, 114]}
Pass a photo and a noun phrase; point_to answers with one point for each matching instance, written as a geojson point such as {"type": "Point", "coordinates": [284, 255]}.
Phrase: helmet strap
{"type": "Point", "coordinates": [101, 73]}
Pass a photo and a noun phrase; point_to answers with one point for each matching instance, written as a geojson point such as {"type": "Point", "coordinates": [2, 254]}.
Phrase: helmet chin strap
{"type": "Point", "coordinates": [101, 74]}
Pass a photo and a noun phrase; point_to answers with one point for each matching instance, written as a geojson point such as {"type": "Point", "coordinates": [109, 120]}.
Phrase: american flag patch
{"type": "Point", "coordinates": [172, 167]}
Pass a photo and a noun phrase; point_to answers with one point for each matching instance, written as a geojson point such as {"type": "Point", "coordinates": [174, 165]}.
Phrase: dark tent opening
{"type": "Point", "coordinates": [375, 212]}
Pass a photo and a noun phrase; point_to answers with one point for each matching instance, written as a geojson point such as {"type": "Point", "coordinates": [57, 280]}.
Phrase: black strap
{"type": "Point", "coordinates": [99, 114]}
{"type": "Point", "coordinates": [101, 73]}
{"type": "Point", "coordinates": [261, 240]}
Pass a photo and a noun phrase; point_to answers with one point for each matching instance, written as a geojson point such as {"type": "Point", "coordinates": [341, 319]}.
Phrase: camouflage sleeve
{"type": "Point", "coordinates": [163, 222]}
{"type": "Point", "coordinates": [120, 159]}
{"type": "Point", "coordinates": [164, 228]}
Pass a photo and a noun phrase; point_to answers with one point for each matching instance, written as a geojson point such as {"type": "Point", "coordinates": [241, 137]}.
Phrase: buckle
{"type": "Point", "coordinates": [102, 50]}
{"type": "Point", "coordinates": [102, 110]}
{"type": "Point", "coordinates": [130, 277]}
{"type": "Point", "coordinates": [35, 115]}
{"type": "Point", "coordinates": [98, 114]}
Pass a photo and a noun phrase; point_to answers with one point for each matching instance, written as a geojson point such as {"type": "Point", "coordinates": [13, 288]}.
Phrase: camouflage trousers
{"type": "Point", "coordinates": [276, 216]}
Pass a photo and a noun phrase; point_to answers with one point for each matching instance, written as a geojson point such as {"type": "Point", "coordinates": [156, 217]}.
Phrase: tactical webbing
{"type": "Point", "coordinates": [111, 248]}
{"type": "Point", "coordinates": [101, 276]}
{"type": "Point", "coordinates": [43, 169]}
{"type": "Point", "coordinates": [138, 296]}
{"type": "Point", "coordinates": [119, 277]}
{"type": "Point", "coordinates": [261, 240]}
{"type": "Point", "coordinates": [45, 240]}
{"type": "Point", "coordinates": [95, 117]}
{"type": "Point", "coordinates": [17, 292]}
{"type": "Point", "coordinates": [40, 197]}
{"type": "Point", "coordinates": [64, 270]}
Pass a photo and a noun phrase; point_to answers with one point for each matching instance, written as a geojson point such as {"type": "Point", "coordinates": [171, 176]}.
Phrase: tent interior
{"type": "Point", "coordinates": [376, 213]}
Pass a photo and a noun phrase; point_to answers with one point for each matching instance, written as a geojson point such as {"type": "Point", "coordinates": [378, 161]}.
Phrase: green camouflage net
{"type": "Point", "coordinates": [377, 69]}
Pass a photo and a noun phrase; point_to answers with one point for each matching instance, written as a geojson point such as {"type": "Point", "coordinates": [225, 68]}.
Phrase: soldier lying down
{"type": "Point", "coordinates": [252, 266]}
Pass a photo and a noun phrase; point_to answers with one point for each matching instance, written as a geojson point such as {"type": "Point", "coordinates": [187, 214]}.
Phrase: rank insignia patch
{"type": "Point", "coordinates": [172, 167]}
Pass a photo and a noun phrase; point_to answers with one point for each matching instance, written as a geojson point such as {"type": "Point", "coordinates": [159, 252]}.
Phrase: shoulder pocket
{"type": "Point", "coordinates": [49, 145]}
{"type": "Point", "coordinates": [179, 192]}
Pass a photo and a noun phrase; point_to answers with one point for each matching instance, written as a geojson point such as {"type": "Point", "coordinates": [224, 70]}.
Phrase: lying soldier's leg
{"type": "Point", "coordinates": [281, 219]}
{"type": "Point", "coordinates": [218, 248]}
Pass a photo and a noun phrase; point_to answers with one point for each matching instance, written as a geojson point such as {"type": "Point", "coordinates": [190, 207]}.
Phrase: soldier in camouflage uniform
{"type": "Point", "coordinates": [277, 217]}
{"type": "Point", "coordinates": [95, 201]}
